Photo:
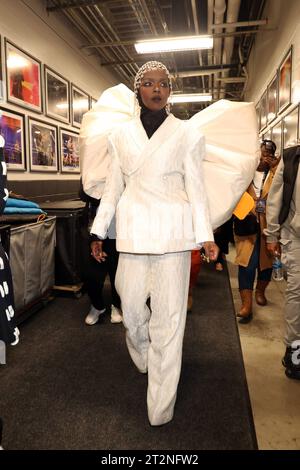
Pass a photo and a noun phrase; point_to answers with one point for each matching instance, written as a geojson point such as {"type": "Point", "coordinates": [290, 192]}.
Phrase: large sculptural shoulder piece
{"type": "Point", "coordinates": [231, 137]}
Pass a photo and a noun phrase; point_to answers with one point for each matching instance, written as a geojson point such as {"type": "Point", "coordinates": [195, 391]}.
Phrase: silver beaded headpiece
{"type": "Point", "coordinates": [151, 65]}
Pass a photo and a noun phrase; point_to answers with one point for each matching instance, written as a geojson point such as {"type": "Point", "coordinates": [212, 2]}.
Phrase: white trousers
{"type": "Point", "coordinates": [291, 259]}
{"type": "Point", "coordinates": [154, 338]}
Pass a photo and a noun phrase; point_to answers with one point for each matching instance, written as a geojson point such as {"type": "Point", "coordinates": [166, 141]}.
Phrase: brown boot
{"type": "Point", "coordinates": [246, 310]}
{"type": "Point", "coordinates": [260, 292]}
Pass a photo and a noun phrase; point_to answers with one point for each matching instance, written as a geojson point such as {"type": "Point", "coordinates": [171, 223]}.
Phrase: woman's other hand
{"type": "Point", "coordinates": [97, 252]}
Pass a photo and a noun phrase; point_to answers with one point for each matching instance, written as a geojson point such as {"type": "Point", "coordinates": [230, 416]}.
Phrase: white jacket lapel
{"type": "Point", "coordinates": [168, 127]}
{"type": "Point", "coordinates": [148, 146]}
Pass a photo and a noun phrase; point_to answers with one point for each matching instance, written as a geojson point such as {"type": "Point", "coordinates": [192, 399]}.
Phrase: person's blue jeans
{"type": "Point", "coordinates": [247, 275]}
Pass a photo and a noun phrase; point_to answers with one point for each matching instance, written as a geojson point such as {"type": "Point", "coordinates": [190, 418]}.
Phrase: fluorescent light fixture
{"type": "Point", "coordinates": [183, 43]}
{"type": "Point", "coordinates": [190, 98]}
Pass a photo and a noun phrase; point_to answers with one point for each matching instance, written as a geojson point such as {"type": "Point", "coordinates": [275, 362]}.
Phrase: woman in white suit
{"type": "Point", "coordinates": [155, 187]}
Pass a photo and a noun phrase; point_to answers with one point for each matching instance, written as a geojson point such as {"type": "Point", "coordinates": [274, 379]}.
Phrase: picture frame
{"type": "Point", "coordinates": [57, 96]}
{"type": "Point", "coordinates": [257, 109]}
{"type": "Point", "coordinates": [42, 146]}
{"type": "Point", "coordinates": [12, 129]}
{"type": "Point", "coordinates": [69, 151]}
{"type": "Point", "coordinates": [268, 135]}
{"type": "Point", "coordinates": [93, 101]}
{"type": "Point", "coordinates": [272, 99]}
{"type": "Point", "coordinates": [290, 128]}
{"type": "Point", "coordinates": [80, 105]}
{"type": "Point", "coordinates": [23, 78]}
{"type": "Point", "coordinates": [264, 110]}
{"type": "Point", "coordinates": [285, 82]}
{"type": "Point", "coordinates": [1, 73]}
{"type": "Point", "coordinates": [277, 137]}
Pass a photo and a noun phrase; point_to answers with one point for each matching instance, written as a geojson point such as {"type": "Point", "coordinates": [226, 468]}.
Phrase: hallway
{"type": "Point", "coordinates": [72, 386]}
{"type": "Point", "coordinates": [275, 399]}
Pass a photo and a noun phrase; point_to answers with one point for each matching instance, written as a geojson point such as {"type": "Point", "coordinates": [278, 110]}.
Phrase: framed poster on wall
{"type": "Point", "coordinates": [69, 151]}
{"type": "Point", "coordinates": [1, 73]}
{"type": "Point", "coordinates": [42, 146]}
{"type": "Point", "coordinates": [23, 78]}
{"type": "Point", "coordinates": [264, 110]}
{"type": "Point", "coordinates": [13, 131]}
{"type": "Point", "coordinates": [290, 128]}
{"type": "Point", "coordinates": [285, 82]}
{"type": "Point", "coordinates": [277, 137]}
{"type": "Point", "coordinates": [57, 97]}
{"type": "Point", "coordinates": [268, 135]}
{"type": "Point", "coordinates": [80, 105]}
{"type": "Point", "coordinates": [257, 109]}
{"type": "Point", "coordinates": [93, 101]}
{"type": "Point", "coordinates": [272, 98]}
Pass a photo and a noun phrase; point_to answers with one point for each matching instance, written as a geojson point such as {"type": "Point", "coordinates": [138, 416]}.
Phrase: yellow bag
{"type": "Point", "coordinates": [244, 206]}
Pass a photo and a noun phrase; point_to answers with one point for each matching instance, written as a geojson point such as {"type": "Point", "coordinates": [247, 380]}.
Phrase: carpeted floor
{"type": "Point", "coordinates": [70, 386]}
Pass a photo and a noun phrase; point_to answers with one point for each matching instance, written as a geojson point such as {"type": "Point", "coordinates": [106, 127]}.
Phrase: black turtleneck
{"type": "Point", "coordinates": [151, 120]}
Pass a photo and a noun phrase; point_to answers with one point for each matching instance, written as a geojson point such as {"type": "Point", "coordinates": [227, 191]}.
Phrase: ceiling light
{"type": "Point", "coordinates": [190, 98]}
{"type": "Point", "coordinates": [184, 43]}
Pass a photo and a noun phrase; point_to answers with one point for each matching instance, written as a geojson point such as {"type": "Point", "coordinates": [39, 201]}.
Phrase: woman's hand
{"type": "Point", "coordinates": [211, 250]}
{"type": "Point", "coordinates": [97, 252]}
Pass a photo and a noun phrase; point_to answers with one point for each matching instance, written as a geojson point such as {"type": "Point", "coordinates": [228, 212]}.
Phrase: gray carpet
{"type": "Point", "coordinates": [70, 386]}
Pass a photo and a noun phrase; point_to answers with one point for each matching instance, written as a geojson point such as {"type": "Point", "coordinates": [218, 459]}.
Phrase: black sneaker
{"type": "Point", "coordinates": [286, 360]}
{"type": "Point", "coordinates": [292, 369]}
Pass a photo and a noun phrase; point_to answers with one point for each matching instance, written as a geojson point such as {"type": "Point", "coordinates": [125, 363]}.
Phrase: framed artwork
{"type": "Point", "coordinates": [69, 151]}
{"type": "Point", "coordinates": [80, 105]}
{"type": "Point", "coordinates": [92, 102]}
{"type": "Point", "coordinates": [264, 110]}
{"type": "Point", "coordinates": [290, 128]}
{"type": "Point", "coordinates": [1, 73]}
{"type": "Point", "coordinates": [277, 137]}
{"type": "Point", "coordinates": [272, 99]}
{"type": "Point", "coordinates": [13, 131]}
{"type": "Point", "coordinates": [268, 135]}
{"type": "Point", "coordinates": [23, 78]}
{"type": "Point", "coordinates": [285, 82]}
{"type": "Point", "coordinates": [57, 97]}
{"type": "Point", "coordinates": [257, 109]}
{"type": "Point", "coordinates": [42, 146]}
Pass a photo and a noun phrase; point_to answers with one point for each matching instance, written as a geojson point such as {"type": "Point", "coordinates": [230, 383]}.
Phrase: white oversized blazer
{"type": "Point", "coordinates": [156, 188]}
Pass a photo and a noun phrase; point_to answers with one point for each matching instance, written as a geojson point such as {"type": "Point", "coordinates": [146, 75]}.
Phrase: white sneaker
{"type": "Point", "coordinates": [116, 315]}
{"type": "Point", "coordinates": [17, 334]}
{"type": "Point", "coordinates": [93, 315]}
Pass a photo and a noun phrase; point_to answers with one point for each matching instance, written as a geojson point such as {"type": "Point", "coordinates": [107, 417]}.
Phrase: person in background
{"type": "Point", "coordinates": [223, 236]}
{"type": "Point", "coordinates": [9, 333]}
{"type": "Point", "coordinates": [250, 242]}
{"type": "Point", "coordinates": [196, 261]}
{"type": "Point", "coordinates": [283, 236]}
{"type": "Point", "coordinates": [95, 273]}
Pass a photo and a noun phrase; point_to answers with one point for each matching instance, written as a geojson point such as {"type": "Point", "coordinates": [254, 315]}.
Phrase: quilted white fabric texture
{"type": "Point", "coordinates": [229, 163]}
{"type": "Point", "coordinates": [155, 341]}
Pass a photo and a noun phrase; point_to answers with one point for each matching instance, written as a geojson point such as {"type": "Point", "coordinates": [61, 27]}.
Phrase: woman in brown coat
{"type": "Point", "coordinates": [251, 251]}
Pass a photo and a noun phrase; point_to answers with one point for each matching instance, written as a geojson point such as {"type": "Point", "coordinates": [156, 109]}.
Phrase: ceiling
{"type": "Point", "coordinates": [109, 28]}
